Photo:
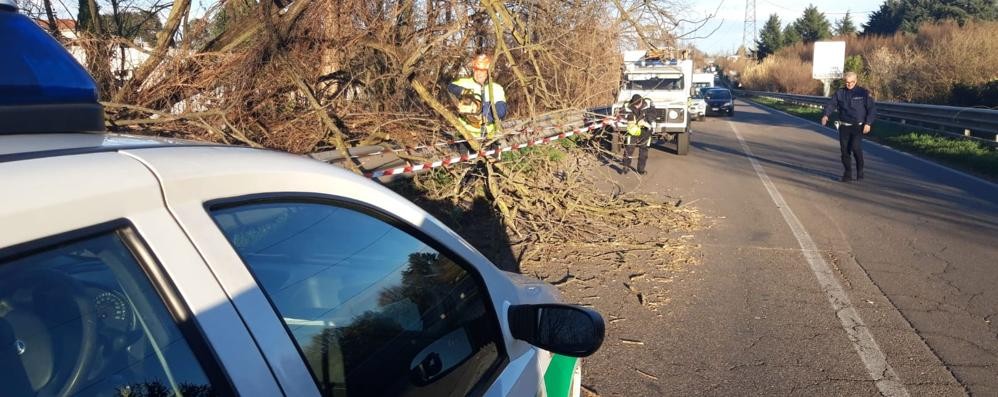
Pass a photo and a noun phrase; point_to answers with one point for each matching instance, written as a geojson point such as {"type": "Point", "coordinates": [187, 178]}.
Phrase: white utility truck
{"type": "Point", "coordinates": [665, 84]}
{"type": "Point", "coordinates": [703, 80]}
{"type": "Point", "coordinates": [698, 106]}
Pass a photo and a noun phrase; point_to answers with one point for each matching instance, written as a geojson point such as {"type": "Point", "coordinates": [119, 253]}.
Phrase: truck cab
{"type": "Point", "coordinates": [664, 83]}
{"type": "Point", "coordinates": [703, 80]}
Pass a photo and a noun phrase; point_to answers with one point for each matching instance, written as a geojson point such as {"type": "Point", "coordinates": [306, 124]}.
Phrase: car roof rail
{"type": "Point", "coordinates": [42, 87]}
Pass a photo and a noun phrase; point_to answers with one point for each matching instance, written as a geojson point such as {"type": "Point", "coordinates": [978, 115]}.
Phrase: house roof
{"type": "Point", "coordinates": [62, 24]}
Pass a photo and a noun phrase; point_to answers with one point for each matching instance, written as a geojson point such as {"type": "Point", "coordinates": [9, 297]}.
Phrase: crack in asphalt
{"type": "Point", "coordinates": [892, 302]}
{"type": "Point", "coordinates": [982, 349]}
{"type": "Point", "coordinates": [757, 363]}
{"type": "Point", "coordinates": [956, 293]}
{"type": "Point", "coordinates": [802, 388]}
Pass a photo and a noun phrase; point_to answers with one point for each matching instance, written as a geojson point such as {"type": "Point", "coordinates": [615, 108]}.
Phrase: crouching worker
{"type": "Point", "coordinates": [638, 133]}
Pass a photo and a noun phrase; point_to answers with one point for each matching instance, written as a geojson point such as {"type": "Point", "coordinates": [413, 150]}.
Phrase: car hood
{"type": "Point", "coordinates": [718, 101]}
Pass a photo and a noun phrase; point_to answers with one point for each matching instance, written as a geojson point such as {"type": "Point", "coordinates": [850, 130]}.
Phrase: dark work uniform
{"type": "Point", "coordinates": [642, 141]}
{"type": "Point", "coordinates": [856, 109]}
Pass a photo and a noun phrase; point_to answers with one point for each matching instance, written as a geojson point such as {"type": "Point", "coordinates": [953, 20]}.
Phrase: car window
{"type": "Point", "coordinates": [82, 318]}
{"type": "Point", "coordinates": [718, 94]}
{"type": "Point", "coordinates": [374, 310]}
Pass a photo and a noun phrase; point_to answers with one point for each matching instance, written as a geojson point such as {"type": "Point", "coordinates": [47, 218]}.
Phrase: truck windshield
{"type": "Point", "coordinates": [655, 84]}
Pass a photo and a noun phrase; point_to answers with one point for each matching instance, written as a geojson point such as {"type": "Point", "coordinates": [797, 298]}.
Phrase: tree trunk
{"type": "Point", "coordinates": [163, 41]}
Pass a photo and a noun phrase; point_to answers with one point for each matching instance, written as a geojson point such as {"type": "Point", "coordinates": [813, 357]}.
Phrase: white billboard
{"type": "Point", "coordinates": [829, 59]}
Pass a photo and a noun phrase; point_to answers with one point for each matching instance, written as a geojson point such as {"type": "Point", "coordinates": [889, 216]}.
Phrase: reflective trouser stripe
{"type": "Point", "coordinates": [558, 377]}
{"type": "Point", "coordinates": [627, 141]}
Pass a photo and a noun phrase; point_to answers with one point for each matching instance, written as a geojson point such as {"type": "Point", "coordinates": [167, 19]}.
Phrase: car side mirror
{"type": "Point", "coordinates": [563, 329]}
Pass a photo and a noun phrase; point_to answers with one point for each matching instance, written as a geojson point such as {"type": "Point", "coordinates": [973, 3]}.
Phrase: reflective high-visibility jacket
{"type": "Point", "coordinates": [638, 125]}
{"type": "Point", "coordinates": [487, 94]}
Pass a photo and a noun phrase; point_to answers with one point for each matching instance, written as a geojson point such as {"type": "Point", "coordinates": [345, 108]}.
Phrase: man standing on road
{"type": "Point", "coordinates": [638, 133]}
{"type": "Point", "coordinates": [857, 111]}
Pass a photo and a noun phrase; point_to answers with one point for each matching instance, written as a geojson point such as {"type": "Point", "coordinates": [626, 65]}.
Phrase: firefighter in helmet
{"type": "Point", "coordinates": [480, 101]}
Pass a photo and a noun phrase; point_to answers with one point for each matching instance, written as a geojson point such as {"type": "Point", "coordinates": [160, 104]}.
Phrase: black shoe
{"type": "Point", "coordinates": [642, 172]}
{"type": "Point", "coordinates": [846, 178]}
{"type": "Point", "coordinates": [859, 175]}
{"type": "Point", "coordinates": [625, 171]}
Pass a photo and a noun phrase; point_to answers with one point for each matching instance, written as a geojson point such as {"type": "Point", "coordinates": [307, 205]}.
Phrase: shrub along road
{"type": "Point", "coordinates": [805, 285]}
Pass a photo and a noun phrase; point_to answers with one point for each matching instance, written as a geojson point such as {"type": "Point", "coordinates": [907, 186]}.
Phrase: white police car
{"type": "Point", "coordinates": [138, 267]}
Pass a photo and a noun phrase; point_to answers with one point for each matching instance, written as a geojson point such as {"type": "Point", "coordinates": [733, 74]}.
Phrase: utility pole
{"type": "Point", "coordinates": [748, 34]}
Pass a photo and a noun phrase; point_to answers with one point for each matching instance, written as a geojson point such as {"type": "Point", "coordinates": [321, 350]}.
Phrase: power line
{"type": "Point", "coordinates": [748, 32]}
{"type": "Point", "coordinates": [851, 12]}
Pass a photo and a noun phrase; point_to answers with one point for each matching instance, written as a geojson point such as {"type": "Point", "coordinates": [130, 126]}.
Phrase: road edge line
{"type": "Point", "coordinates": [858, 333]}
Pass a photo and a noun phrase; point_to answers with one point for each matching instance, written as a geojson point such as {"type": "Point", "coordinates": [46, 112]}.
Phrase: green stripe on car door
{"type": "Point", "coordinates": [558, 377]}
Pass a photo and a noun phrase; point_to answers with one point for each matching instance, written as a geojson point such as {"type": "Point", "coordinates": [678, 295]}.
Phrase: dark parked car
{"type": "Point", "coordinates": [720, 101]}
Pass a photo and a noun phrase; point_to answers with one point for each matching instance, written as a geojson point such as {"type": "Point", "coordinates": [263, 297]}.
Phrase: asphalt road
{"type": "Point", "coordinates": [810, 286]}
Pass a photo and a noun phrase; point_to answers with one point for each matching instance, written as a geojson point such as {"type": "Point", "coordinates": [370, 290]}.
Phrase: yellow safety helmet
{"type": "Point", "coordinates": [481, 62]}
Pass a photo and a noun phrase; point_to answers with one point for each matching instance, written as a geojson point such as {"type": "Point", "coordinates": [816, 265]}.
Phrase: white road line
{"type": "Point", "coordinates": [880, 371]}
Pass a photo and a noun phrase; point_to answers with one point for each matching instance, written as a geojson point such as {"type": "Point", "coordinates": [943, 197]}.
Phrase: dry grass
{"type": "Point", "coordinates": [914, 68]}
{"type": "Point", "coordinates": [794, 76]}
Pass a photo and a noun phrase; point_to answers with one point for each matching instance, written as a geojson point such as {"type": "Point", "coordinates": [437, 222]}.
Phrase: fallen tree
{"type": "Point", "coordinates": [305, 76]}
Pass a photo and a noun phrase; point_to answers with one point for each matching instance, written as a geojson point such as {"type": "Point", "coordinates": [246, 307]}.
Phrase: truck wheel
{"type": "Point", "coordinates": [683, 143]}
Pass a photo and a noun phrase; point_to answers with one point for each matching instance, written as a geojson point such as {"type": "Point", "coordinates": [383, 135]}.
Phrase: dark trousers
{"type": "Point", "coordinates": [641, 142]}
{"type": "Point", "coordinates": [850, 142]}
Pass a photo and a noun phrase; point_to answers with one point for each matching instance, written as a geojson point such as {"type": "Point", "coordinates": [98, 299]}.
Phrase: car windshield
{"type": "Point", "coordinates": [718, 94]}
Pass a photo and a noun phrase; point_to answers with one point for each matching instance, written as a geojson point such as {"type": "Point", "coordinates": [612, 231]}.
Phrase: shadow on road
{"type": "Point", "coordinates": [796, 155]}
{"type": "Point", "coordinates": [821, 173]}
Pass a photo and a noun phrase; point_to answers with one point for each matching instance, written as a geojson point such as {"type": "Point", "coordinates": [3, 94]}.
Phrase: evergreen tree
{"type": "Point", "coordinates": [134, 25]}
{"type": "Point", "coordinates": [845, 26]}
{"type": "Point", "coordinates": [790, 35]}
{"type": "Point", "coordinates": [905, 15]}
{"type": "Point", "coordinates": [813, 26]}
{"type": "Point", "coordinates": [884, 21]}
{"type": "Point", "coordinates": [84, 21]}
{"type": "Point", "coordinates": [854, 63]}
{"type": "Point", "coordinates": [770, 38]}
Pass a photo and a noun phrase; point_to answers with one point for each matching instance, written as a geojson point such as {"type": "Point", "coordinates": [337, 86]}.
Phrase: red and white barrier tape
{"type": "Point", "coordinates": [456, 141]}
{"type": "Point", "coordinates": [487, 153]}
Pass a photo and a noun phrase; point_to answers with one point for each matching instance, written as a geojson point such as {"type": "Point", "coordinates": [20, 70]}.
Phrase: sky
{"type": "Point", "coordinates": [730, 18]}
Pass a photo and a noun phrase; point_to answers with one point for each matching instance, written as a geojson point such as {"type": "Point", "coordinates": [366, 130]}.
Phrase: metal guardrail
{"type": "Point", "coordinates": [978, 124]}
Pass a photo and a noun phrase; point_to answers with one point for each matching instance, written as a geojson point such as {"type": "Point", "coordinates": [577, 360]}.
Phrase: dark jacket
{"type": "Point", "coordinates": [636, 114]}
{"type": "Point", "coordinates": [854, 106]}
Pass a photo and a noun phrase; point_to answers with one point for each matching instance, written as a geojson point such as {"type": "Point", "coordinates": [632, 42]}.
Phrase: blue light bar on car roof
{"type": "Point", "coordinates": [42, 87]}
